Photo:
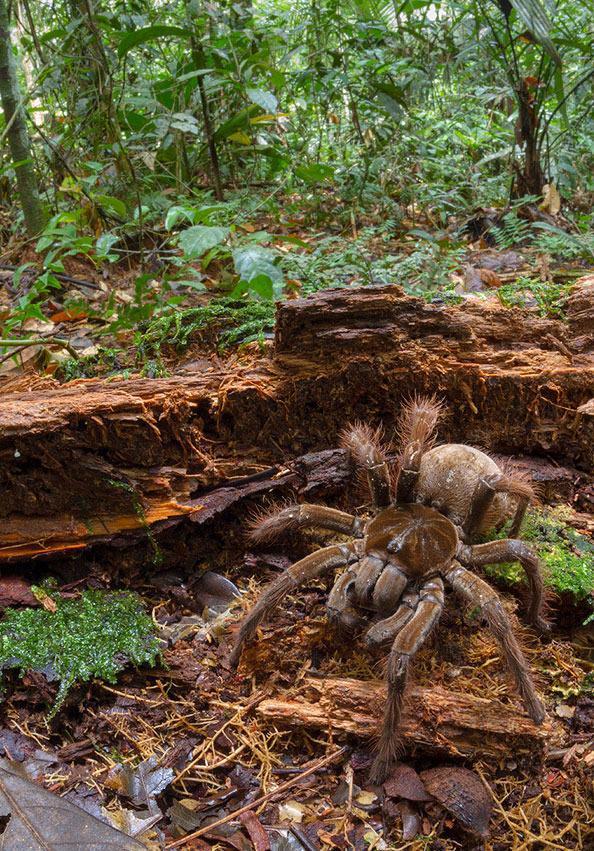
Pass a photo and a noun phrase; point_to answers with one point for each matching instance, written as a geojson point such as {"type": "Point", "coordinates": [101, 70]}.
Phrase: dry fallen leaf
{"type": "Point", "coordinates": [38, 819]}
{"type": "Point", "coordinates": [404, 782]}
{"type": "Point", "coordinates": [14, 591]}
{"type": "Point", "coordinates": [463, 794]}
{"type": "Point", "coordinates": [141, 784]}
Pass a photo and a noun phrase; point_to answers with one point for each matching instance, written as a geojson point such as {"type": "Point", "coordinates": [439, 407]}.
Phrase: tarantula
{"type": "Point", "coordinates": [416, 539]}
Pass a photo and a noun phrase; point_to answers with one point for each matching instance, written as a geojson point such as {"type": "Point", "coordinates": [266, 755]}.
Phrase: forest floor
{"type": "Point", "coordinates": [169, 750]}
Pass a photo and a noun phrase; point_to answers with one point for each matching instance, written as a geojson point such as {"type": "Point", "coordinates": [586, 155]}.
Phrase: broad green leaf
{"type": "Point", "coordinates": [262, 98]}
{"type": "Point", "coordinates": [112, 205]}
{"type": "Point", "coordinates": [177, 214]}
{"type": "Point", "coordinates": [534, 15]}
{"type": "Point", "coordinates": [256, 268]}
{"type": "Point", "coordinates": [136, 37]}
{"type": "Point", "coordinates": [240, 137]}
{"type": "Point", "coordinates": [197, 240]}
{"type": "Point", "coordinates": [105, 243]}
{"type": "Point", "coordinates": [560, 92]}
{"type": "Point", "coordinates": [314, 173]}
{"type": "Point", "coordinates": [185, 122]}
{"type": "Point", "coordinates": [232, 124]}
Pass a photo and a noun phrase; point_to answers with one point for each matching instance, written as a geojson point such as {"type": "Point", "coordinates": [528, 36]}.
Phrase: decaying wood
{"type": "Point", "coordinates": [450, 722]}
{"type": "Point", "coordinates": [101, 461]}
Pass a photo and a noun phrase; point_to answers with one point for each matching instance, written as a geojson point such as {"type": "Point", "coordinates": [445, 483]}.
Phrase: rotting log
{"type": "Point", "coordinates": [452, 723]}
{"type": "Point", "coordinates": [101, 461]}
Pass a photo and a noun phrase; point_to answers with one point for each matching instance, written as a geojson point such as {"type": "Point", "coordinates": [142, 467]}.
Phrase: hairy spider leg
{"type": "Point", "coordinates": [416, 432]}
{"type": "Point", "coordinates": [364, 444]}
{"type": "Point", "coordinates": [513, 549]}
{"type": "Point", "coordinates": [406, 643]}
{"type": "Point", "coordinates": [478, 593]}
{"type": "Point", "coordinates": [385, 630]}
{"type": "Point", "coordinates": [302, 571]}
{"type": "Point", "coordinates": [341, 611]}
{"type": "Point", "coordinates": [273, 524]}
{"type": "Point", "coordinates": [483, 497]}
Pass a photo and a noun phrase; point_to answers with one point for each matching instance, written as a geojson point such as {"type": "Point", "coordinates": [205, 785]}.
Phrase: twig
{"type": "Point", "coordinates": [261, 800]}
{"type": "Point", "coordinates": [61, 276]}
{"type": "Point", "coordinates": [19, 345]}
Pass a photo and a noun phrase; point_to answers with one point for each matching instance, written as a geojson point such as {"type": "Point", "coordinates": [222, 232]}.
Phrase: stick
{"type": "Point", "coordinates": [320, 763]}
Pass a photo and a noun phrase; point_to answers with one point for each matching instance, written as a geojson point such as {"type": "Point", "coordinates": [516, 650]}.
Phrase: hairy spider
{"type": "Point", "coordinates": [416, 539]}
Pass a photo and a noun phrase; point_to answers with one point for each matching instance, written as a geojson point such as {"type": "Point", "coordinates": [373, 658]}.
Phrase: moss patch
{"type": "Point", "coordinates": [567, 556]}
{"type": "Point", "coordinates": [95, 635]}
{"type": "Point", "coordinates": [231, 321]}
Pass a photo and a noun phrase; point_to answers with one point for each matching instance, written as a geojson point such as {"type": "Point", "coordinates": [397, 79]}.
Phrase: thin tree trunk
{"type": "Point", "coordinates": [213, 154]}
{"type": "Point", "coordinates": [18, 135]}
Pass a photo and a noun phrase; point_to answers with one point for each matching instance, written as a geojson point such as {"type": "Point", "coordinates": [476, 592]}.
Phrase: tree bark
{"type": "Point", "coordinates": [103, 461]}
{"type": "Point", "coordinates": [455, 724]}
{"type": "Point", "coordinates": [18, 135]}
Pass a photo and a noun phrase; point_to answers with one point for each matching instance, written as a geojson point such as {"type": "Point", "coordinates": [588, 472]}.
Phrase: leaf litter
{"type": "Point", "coordinates": [179, 751]}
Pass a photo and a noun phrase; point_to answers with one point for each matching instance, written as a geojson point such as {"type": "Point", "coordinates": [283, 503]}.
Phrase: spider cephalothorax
{"type": "Point", "coordinates": [416, 540]}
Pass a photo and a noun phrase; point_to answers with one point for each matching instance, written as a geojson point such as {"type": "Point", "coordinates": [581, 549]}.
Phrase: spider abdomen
{"type": "Point", "coordinates": [448, 476]}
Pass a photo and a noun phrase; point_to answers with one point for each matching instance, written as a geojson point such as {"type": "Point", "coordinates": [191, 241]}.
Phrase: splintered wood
{"type": "Point", "coordinates": [450, 722]}
{"type": "Point", "coordinates": [103, 461]}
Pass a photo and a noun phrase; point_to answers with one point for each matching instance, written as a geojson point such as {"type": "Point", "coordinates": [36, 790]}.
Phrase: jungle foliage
{"type": "Point", "coordinates": [188, 142]}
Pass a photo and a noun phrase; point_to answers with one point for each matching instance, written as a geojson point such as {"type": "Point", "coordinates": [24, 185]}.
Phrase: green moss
{"type": "Point", "coordinates": [567, 556]}
{"type": "Point", "coordinates": [95, 635]}
{"type": "Point", "coordinates": [106, 360]}
{"type": "Point", "coordinates": [233, 322]}
{"type": "Point", "coordinates": [548, 296]}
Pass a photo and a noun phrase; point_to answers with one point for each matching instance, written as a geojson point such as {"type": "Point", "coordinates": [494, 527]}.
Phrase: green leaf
{"type": "Point", "coordinates": [560, 93]}
{"type": "Point", "coordinates": [105, 243]}
{"type": "Point", "coordinates": [258, 271]}
{"type": "Point", "coordinates": [314, 173]}
{"type": "Point", "coordinates": [241, 119]}
{"type": "Point", "coordinates": [197, 240]}
{"type": "Point", "coordinates": [176, 214]}
{"type": "Point", "coordinates": [262, 98]}
{"type": "Point", "coordinates": [136, 37]}
{"type": "Point", "coordinates": [185, 122]}
{"type": "Point", "coordinates": [112, 205]}
{"type": "Point", "coordinates": [534, 15]}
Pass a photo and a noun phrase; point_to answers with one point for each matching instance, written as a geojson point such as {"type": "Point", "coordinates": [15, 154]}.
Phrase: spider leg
{"type": "Point", "coordinates": [408, 640]}
{"type": "Point", "coordinates": [385, 630]}
{"type": "Point", "coordinates": [479, 593]}
{"type": "Point", "coordinates": [513, 549]}
{"type": "Point", "coordinates": [341, 611]}
{"type": "Point", "coordinates": [483, 497]}
{"type": "Point", "coordinates": [365, 446]}
{"type": "Point", "coordinates": [302, 571]}
{"type": "Point", "coordinates": [417, 434]}
{"type": "Point", "coordinates": [270, 526]}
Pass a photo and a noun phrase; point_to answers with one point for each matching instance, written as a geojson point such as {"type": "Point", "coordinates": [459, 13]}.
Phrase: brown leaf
{"type": "Point", "coordinates": [256, 832]}
{"type": "Point", "coordinates": [68, 315]}
{"type": "Point", "coordinates": [462, 793]}
{"type": "Point", "coordinates": [411, 821]}
{"type": "Point", "coordinates": [490, 278]}
{"type": "Point", "coordinates": [404, 782]}
{"type": "Point", "coordinates": [14, 591]}
{"type": "Point", "coordinates": [142, 783]}
{"type": "Point", "coordinates": [38, 819]}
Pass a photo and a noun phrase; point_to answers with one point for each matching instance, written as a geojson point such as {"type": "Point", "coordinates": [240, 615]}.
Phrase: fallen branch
{"type": "Point", "coordinates": [453, 723]}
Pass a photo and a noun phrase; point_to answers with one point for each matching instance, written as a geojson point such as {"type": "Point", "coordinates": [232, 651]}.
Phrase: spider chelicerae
{"type": "Point", "coordinates": [419, 539]}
